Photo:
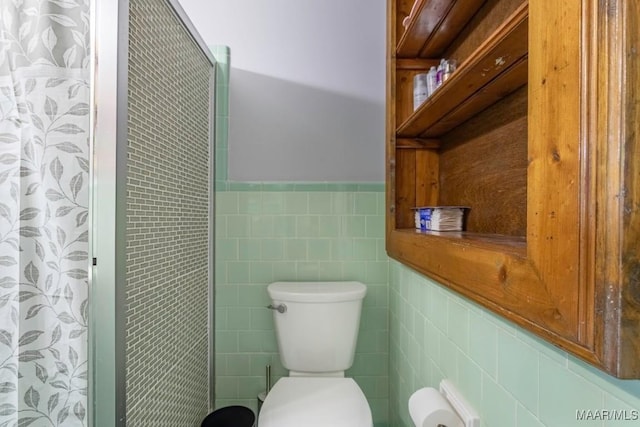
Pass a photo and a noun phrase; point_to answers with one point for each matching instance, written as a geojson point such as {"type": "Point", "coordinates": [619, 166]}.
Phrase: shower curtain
{"type": "Point", "coordinates": [44, 174]}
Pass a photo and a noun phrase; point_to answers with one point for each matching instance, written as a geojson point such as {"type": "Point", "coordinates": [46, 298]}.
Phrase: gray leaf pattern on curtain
{"type": "Point", "coordinates": [44, 197]}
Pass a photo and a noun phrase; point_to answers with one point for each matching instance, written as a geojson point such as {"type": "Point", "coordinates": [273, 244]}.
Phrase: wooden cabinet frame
{"type": "Point", "coordinates": [574, 278]}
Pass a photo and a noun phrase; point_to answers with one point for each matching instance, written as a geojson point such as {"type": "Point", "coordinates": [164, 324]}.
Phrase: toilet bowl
{"type": "Point", "coordinates": [316, 328]}
{"type": "Point", "coordinates": [315, 402]}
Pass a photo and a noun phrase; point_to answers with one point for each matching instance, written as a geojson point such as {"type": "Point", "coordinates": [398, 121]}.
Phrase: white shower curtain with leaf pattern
{"type": "Point", "coordinates": [44, 171]}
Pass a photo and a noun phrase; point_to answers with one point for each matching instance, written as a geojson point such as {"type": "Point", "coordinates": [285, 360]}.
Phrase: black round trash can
{"type": "Point", "coordinates": [230, 416]}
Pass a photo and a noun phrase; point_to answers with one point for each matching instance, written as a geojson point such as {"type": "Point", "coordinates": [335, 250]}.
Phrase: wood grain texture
{"type": "Point", "coordinates": [416, 64]}
{"type": "Point", "coordinates": [402, 8]}
{"type": "Point", "coordinates": [564, 260]}
{"type": "Point", "coordinates": [489, 271]}
{"type": "Point", "coordinates": [434, 24]}
{"type": "Point", "coordinates": [404, 92]}
{"type": "Point", "coordinates": [405, 187]}
{"type": "Point", "coordinates": [450, 26]}
{"type": "Point", "coordinates": [486, 271]}
{"type": "Point", "coordinates": [510, 81]}
{"type": "Point", "coordinates": [483, 165]}
{"type": "Point", "coordinates": [485, 69]}
{"type": "Point", "coordinates": [489, 17]}
{"type": "Point", "coordinates": [629, 362]}
{"type": "Point", "coordinates": [423, 23]}
{"type": "Point", "coordinates": [616, 105]}
{"type": "Point", "coordinates": [417, 143]}
{"type": "Point", "coordinates": [553, 202]}
{"type": "Point", "coordinates": [427, 177]}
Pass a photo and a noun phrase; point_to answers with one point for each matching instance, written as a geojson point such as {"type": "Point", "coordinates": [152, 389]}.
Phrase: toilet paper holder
{"type": "Point", "coordinates": [446, 407]}
{"type": "Point", "coordinates": [465, 411]}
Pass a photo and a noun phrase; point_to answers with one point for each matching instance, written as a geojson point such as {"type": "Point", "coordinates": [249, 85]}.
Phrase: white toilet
{"type": "Point", "coordinates": [317, 328]}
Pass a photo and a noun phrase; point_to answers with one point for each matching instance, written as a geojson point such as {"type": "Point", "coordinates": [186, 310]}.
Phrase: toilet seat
{"type": "Point", "coordinates": [315, 402]}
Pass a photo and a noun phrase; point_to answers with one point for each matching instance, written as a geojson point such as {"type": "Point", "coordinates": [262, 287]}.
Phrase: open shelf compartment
{"type": "Point", "coordinates": [433, 25]}
{"type": "Point", "coordinates": [496, 69]}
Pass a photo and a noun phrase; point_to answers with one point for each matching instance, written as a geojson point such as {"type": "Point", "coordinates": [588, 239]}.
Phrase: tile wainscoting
{"type": "Point", "coordinates": [309, 233]}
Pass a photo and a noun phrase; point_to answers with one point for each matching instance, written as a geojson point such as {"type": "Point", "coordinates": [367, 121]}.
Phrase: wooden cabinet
{"type": "Point", "coordinates": [537, 131]}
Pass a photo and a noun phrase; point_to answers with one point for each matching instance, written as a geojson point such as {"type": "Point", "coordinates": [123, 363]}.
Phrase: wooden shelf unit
{"type": "Point", "coordinates": [526, 132]}
{"type": "Point", "coordinates": [496, 69]}
{"type": "Point", "coordinates": [434, 24]}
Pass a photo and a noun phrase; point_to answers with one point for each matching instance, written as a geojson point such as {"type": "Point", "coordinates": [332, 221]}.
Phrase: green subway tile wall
{"type": "Point", "coordinates": [265, 236]}
{"type": "Point", "coordinates": [512, 378]}
{"type": "Point", "coordinates": [414, 332]}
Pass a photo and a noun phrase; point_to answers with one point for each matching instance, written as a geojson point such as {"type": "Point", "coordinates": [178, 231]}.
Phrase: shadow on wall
{"type": "Point", "coordinates": [285, 131]}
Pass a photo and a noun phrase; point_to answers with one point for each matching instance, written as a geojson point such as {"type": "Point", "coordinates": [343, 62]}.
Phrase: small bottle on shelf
{"type": "Point", "coordinates": [449, 68]}
{"type": "Point", "coordinates": [431, 81]}
{"type": "Point", "coordinates": [440, 73]}
{"type": "Point", "coordinates": [420, 91]}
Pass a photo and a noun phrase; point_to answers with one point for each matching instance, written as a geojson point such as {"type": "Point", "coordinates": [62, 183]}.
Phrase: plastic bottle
{"type": "Point", "coordinates": [420, 92]}
{"type": "Point", "coordinates": [431, 81]}
{"type": "Point", "coordinates": [440, 73]}
{"type": "Point", "coordinates": [449, 68]}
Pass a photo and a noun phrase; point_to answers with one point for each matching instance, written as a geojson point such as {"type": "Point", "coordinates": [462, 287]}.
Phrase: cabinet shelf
{"type": "Point", "coordinates": [515, 245]}
{"type": "Point", "coordinates": [541, 140]}
{"type": "Point", "coordinates": [433, 25]}
{"type": "Point", "coordinates": [497, 68]}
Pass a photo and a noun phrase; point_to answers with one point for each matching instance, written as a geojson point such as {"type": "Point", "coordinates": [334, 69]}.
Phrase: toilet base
{"type": "Point", "coordinates": [315, 402]}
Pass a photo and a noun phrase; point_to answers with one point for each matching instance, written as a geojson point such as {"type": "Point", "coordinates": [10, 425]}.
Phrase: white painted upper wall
{"type": "Point", "coordinates": [307, 86]}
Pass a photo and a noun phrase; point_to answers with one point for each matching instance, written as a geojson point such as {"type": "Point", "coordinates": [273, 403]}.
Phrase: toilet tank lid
{"type": "Point", "coordinates": [316, 291]}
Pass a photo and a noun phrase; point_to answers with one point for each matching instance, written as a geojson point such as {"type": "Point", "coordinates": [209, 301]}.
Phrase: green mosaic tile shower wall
{"type": "Point", "coordinates": [265, 236]}
{"type": "Point", "coordinates": [512, 378]}
{"type": "Point", "coordinates": [167, 222]}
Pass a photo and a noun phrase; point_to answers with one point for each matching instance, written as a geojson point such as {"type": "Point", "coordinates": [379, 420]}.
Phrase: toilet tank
{"type": "Point", "coordinates": [318, 330]}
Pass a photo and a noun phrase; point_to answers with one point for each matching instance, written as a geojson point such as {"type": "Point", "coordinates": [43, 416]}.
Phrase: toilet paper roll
{"type": "Point", "coordinates": [428, 408]}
